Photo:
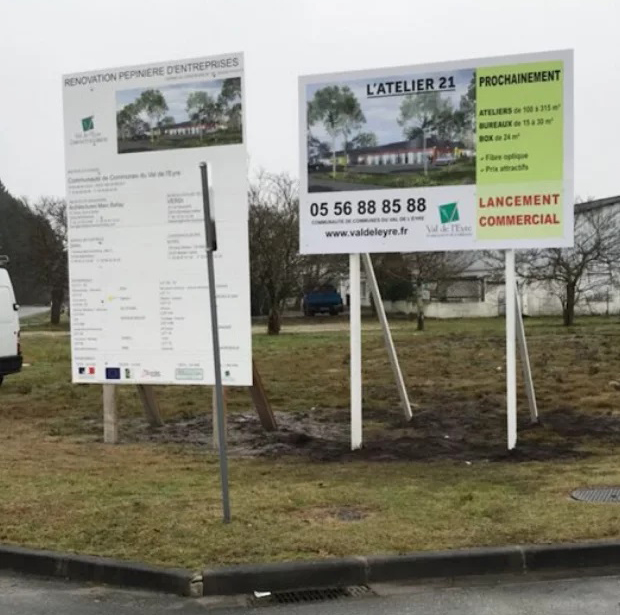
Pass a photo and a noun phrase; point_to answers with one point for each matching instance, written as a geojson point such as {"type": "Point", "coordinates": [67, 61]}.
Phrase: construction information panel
{"type": "Point", "coordinates": [134, 138]}
{"type": "Point", "coordinates": [464, 155]}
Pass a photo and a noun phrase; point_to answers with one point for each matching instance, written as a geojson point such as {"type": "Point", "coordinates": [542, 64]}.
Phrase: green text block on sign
{"type": "Point", "coordinates": [520, 150]}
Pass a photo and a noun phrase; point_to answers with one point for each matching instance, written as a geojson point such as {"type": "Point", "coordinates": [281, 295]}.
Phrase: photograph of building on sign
{"type": "Point", "coordinates": [392, 132]}
{"type": "Point", "coordinates": [178, 116]}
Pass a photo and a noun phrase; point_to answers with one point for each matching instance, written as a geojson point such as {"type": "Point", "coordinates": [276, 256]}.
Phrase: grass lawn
{"type": "Point", "coordinates": [61, 488]}
{"type": "Point", "coordinates": [41, 322]}
{"type": "Point", "coordinates": [219, 137]}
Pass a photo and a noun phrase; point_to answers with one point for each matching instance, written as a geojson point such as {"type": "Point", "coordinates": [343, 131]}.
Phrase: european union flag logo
{"type": "Point", "coordinates": [112, 373]}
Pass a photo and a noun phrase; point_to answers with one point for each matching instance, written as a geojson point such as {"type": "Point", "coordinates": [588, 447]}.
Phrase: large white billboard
{"type": "Point", "coordinates": [474, 154]}
{"type": "Point", "coordinates": [134, 138]}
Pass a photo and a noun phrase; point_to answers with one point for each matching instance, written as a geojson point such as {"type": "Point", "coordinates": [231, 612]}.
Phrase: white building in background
{"type": "Point", "coordinates": [474, 294]}
{"type": "Point", "coordinates": [186, 129]}
{"type": "Point", "coordinates": [469, 296]}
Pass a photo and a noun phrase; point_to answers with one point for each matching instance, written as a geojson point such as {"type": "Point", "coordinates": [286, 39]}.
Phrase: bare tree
{"type": "Point", "coordinates": [278, 271]}
{"type": "Point", "coordinates": [49, 249]}
{"type": "Point", "coordinates": [572, 273]}
{"type": "Point", "coordinates": [435, 267]}
{"type": "Point", "coordinates": [393, 277]}
{"type": "Point", "coordinates": [318, 270]}
{"type": "Point", "coordinates": [274, 242]}
{"type": "Point", "coordinates": [403, 276]}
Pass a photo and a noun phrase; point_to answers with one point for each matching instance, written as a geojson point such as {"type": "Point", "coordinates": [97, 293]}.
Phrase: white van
{"type": "Point", "coordinates": [10, 349]}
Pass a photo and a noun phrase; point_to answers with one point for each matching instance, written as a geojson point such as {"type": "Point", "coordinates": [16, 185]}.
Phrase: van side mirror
{"type": "Point", "coordinates": [16, 306]}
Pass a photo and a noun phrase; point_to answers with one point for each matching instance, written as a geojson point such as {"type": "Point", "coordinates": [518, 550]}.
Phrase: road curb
{"type": "Point", "coordinates": [100, 570]}
{"type": "Point", "coordinates": [244, 579]}
{"type": "Point", "coordinates": [596, 554]}
{"type": "Point", "coordinates": [420, 565]}
{"type": "Point", "coordinates": [437, 564]}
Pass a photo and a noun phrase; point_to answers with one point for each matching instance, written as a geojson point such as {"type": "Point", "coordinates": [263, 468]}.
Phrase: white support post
{"type": "Point", "coordinates": [511, 357]}
{"type": "Point", "coordinates": [525, 362]}
{"type": "Point", "coordinates": [387, 336]}
{"type": "Point", "coordinates": [355, 316]}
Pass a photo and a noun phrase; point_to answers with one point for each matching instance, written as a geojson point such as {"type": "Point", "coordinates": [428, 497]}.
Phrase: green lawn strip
{"type": "Point", "coordinates": [61, 489]}
{"type": "Point", "coordinates": [309, 370]}
{"type": "Point", "coordinates": [161, 505]}
{"type": "Point", "coordinates": [458, 173]}
{"type": "Point", "coordinates": [41, 322]}
{"type": "Point", "coordinates": [219, 137]}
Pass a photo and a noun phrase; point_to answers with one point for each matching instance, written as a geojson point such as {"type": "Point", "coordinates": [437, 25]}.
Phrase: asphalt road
{"type": "Point", "coordinates": [596, 595]}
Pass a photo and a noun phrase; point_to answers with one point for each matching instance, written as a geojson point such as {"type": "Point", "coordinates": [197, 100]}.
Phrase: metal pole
{"type": "Point", "coordinates": [355, 316]}
{"type": "Point", "coordinates": [219, 389]}
{"type": "Point", "coordinates": [511, 351]}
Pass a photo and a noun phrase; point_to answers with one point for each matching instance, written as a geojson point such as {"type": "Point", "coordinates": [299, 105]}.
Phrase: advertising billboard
{"type": "Point", "coordinates": [134, 139]}
{"type": "Point", "coordinates": [465, 155]}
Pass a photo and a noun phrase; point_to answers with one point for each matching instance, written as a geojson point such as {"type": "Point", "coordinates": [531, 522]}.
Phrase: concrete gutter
{"type": "Point", "coordinates": [244, 579]}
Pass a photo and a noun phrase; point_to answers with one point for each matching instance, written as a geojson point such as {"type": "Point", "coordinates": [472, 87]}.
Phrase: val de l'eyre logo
{"type": "Point", "coordinates": [88, 135]}
{"type": "Point", "coordinates": [449, 213]}
{"type": "Point", "coordinates": [88, 123]}
{"type": "Point", "coordinates": [450, 225]}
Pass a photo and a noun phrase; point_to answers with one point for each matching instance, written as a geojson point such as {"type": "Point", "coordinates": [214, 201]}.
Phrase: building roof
{"type": "Point", "coordinates": [187, 124]}
{"type": "Point", "coordinates": [596, 204]}
{"type": "Point", "coordinates": [416, 143]}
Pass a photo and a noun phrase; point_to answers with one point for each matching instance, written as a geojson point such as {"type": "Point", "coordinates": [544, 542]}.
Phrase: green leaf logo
{"type": "Point", "coordinates": [88, 123]}
{"type": "Point", "coordinates": [449, 213]}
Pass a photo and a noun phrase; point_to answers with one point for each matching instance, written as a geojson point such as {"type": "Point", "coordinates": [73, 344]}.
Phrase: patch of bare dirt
{"type": "Point", "coordinates": [450, 429]}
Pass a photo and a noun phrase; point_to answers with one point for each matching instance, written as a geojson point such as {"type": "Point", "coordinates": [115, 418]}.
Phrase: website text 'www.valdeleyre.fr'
{"type": "Point", "coordinates": [368, 232]}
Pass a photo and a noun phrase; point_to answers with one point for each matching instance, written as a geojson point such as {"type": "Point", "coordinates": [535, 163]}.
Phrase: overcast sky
{"type": "Point", "coordinates": [42, 39]}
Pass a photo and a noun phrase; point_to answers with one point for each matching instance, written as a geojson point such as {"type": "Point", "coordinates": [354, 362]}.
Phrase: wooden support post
{"type": "Point", "coordinates": [110, 423]}
{"type": "Point", "coordinates": [261, 403]}
{"type": "Point", "coordinates": [150, 405]}
{"type": "Point", "coordinates": [216, 442]}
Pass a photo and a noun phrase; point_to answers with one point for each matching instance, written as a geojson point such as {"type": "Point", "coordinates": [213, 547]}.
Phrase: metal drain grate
{"type": "Point", "coordinates": [609, 495]}
{"type": "Point", "coordinates": [311, 595]}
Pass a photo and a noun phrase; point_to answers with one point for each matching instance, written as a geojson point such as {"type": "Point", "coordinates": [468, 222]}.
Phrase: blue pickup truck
{"type": "Point", "coordinates": [325, 299]}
